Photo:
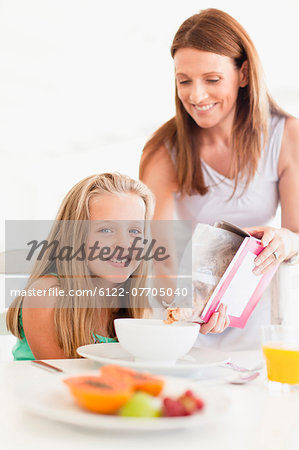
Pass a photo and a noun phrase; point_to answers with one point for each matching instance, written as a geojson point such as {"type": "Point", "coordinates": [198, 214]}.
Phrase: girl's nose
{"type": "Point", "coordinates": [198, 93]}
{"type": "Point", "coordinates": [123, 240]}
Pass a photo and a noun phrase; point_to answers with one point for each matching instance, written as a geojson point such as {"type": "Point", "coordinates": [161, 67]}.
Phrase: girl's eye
{"type": "Point", "coordinates": [213, 80]}
{"type": "Point", "coordinates": [184, 81]}
{"type": "Point", "coordinates": [105, 230]}
{"type": "Point", "coordinates": [135, 231]}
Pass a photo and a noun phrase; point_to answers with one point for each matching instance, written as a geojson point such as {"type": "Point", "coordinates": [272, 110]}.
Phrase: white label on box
{"type": "Point", "coordinates": [241, 287]}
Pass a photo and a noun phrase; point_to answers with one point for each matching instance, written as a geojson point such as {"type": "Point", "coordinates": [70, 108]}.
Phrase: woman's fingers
{"type": "Point", "coordinates": [217, 323]}
{"type": "Point", "coordinates": [268, 263]}
{"type": "Point", "coordinates": [272, 255]}
{"type": "Point", "coordinates": [278, 246]}
{"type": "Point", "coordinates": [267, 237]}
{"type": "Point", "coordinates": [207, 327]}
{"type": "Point", "coordinates": [218, 328]}
{"type": "Point", "coordinates": [255, 231]}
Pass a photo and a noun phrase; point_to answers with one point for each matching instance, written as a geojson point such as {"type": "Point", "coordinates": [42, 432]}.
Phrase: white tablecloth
{"type": "Point", "coordinates": [256, 419]}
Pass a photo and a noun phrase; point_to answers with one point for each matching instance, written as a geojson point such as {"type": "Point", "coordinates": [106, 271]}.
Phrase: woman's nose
{"type": "Point", "coordinates": [198, 93]}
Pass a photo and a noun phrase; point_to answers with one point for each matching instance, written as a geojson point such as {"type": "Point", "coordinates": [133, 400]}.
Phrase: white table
{"type": "Point", "coordinates": [255, 419]}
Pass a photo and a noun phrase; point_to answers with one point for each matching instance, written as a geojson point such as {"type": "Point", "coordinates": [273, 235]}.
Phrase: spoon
{"type": "Point", "coordinates": [242, 378]}
{"type": "Point", "coordinates": [47, 366]}
{"type": "Point", "coordinates": [238, 368]}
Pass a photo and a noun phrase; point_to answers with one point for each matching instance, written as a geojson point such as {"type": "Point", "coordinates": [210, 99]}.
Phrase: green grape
{"type": "Point", "coordinates": [141, 405]}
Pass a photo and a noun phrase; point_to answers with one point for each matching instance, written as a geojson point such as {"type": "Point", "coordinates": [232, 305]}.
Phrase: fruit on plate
{"type": "Point", "coordinates": [140, 381]}
{"type": "Point", "coordinates": [122, 391]}
{"type": "Point", "coordinates": [100, 394]}
{"type": "Point", "coordinates": [185, 405]}
{"type": "Point", "coordinates": [141, 405]}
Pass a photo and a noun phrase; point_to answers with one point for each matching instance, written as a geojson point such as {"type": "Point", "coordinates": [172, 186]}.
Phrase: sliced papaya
{"type": "Point", "coordinates": [141, 381]}
{"type": "Point", "coordinates": [100, 394]}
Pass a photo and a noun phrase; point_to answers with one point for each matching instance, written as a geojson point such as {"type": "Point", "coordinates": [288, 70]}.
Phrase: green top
{"type": "Point", "coordinates": [21, 350]}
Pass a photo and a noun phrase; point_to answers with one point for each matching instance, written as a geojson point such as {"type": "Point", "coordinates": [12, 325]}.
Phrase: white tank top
{"type": "Point", "coordinates": [256, 206]}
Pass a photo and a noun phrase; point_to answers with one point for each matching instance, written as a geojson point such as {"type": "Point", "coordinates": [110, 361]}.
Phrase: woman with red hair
{"type": "Point", "coordinates": [230, 152]}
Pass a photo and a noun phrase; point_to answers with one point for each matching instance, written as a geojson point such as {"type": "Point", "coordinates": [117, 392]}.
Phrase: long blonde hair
{"type": "Point", "coordinates": [217, 32]}
{"type": "Point", "coordinates": [74, 318]}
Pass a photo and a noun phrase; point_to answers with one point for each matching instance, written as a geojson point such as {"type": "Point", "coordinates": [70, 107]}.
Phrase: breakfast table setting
{"type": "Point", "coordinates": [156, 386]}
{"type": "Point", "coordinates": [240, 410]}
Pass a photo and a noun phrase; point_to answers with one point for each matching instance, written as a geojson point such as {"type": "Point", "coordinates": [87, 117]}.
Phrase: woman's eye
{"type": "Point", "coordinates": [183, 81]}
{"type": "Point", "coordinates": [213, 80]}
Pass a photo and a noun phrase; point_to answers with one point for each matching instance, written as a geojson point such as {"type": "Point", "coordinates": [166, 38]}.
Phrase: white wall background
{"type": "Point", "coordinates": [84, 83]}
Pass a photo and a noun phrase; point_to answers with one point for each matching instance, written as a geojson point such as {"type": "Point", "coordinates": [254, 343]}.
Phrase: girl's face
{"type": "Point", "coordinates": [115, 221]}
{"type": "Point", "coordinates": [208, 86]}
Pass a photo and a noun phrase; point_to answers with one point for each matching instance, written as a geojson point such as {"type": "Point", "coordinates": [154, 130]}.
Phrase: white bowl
{"type": "Point", "coordinates": [152, 340]}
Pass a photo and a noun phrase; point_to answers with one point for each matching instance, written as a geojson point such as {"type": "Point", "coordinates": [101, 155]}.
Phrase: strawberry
{"type": "Point", "coordinates": [185, 405]}
{"type": "Point", "coordinates": [172, 408]}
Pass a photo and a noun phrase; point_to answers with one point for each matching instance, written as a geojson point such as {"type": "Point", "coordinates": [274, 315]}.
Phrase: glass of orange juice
{"type": "Point", "coordinates": [280, 346]}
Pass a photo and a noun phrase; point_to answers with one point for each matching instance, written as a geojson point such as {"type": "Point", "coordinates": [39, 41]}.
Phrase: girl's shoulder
{"type": "Point", "coordinates": [38, 316]}
{"type": "Point", "coordinates": [42, 293]}
{"type": "Point", "coordinates": [45, 282]}
{"type": "Point", "coordinates": [38, 306]}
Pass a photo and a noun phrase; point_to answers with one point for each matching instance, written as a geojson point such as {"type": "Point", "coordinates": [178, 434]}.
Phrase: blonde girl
{"type": "Point", "coordinates": [109, 210]}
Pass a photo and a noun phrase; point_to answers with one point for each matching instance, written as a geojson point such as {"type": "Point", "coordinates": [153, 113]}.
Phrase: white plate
{"type": "Point", "coordinates": [113, 353]}
{"type": "Point", "coordinates": [51, 399]}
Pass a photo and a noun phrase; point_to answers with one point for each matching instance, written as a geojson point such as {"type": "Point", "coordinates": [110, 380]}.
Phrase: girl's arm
{"type": "Point", "coordinates": [284, 241]}
{"type": "Point", "coordinates": [38, 321]}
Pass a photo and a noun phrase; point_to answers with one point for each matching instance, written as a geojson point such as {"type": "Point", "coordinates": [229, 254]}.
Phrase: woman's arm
{"type": "Point", "coordinates": [284, 241]}
{"type": "Point", "coordinates": [158, 173]}
{"type": "Point", "coordinates": [160, 176]}
{"type": "Point", "coordinates": [38, 321]}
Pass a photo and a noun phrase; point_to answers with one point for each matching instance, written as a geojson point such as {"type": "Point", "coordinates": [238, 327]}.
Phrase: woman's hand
{"type": "Point", "coordinates": [218, 322]}
{"type": "Point", "coordinates": [278, 243]}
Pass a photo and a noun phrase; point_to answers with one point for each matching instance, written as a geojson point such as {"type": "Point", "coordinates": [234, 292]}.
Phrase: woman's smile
{"type": "Point", "coordinates": [204, 109]}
